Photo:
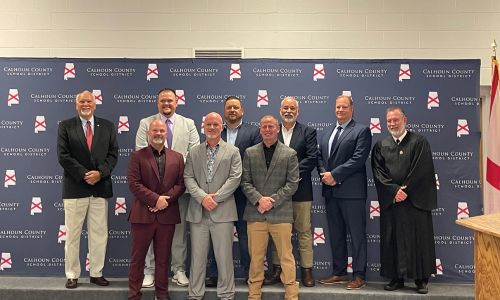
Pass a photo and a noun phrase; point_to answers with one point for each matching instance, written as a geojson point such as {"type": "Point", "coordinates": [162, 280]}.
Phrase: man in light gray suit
{"type": "Point", "coordinates": [181, 137]}
{"type": "Point", "coordinates": [270, 178]}
{"type": "Point", "coordinates": [211, 175]}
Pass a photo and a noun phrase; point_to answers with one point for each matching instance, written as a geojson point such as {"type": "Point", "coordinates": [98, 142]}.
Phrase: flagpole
{"type": "Point", "coordinates": [494, 49]}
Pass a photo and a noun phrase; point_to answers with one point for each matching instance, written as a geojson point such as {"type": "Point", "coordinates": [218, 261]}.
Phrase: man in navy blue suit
{"type": "Point", "coordinates": [242, 135]}
{"type": "Point", "coordinates": [344, 149]}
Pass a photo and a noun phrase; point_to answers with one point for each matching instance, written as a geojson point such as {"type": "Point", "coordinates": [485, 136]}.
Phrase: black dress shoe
{"type": "Point", "coordinates": [275, 276]}
{"type": "Point", "coordinates": [99, 281]}
{"type": "Point", "coordinates": [211, 281]}
{"type": "Point", "coordinates": [395, 284]}
{"type": "Point", "coordinates": [421, 286]}
{"type": "Point", "coordinates": [72, 283]}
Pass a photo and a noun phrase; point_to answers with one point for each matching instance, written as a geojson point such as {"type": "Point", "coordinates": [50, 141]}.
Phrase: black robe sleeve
{"type": "Point", "coordinates": [386, 188]}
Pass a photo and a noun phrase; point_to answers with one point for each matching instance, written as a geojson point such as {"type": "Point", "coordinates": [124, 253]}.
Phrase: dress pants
{"type": "Point", "coordinates": [258, 237]}
{"type": "Point", "coordinates": [179, 243]}
{"type": "Point", "coordinates": [347, 216]}
{"type": "Point", "coordinates": [75, 211]}
{"type": "Point", "coordinates": [301, 225]}
{"type": "Point", "coordinates": [142, 236]}
{"type": "Point", "coordinates": [221, 234]}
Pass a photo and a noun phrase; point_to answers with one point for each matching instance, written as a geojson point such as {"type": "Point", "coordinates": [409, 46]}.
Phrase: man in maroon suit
{"type": "Point", "coordinates": [155, 177]}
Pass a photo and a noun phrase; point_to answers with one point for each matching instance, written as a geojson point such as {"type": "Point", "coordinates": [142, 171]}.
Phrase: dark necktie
{"type": "Point", "coordinates": [88, 135]}
{"type": "Point", "coordinates": [397, 141]}
{"type": "Point", "coordinates": [335, 139]}
{"type": "Point", "coordinates": [169, 134]}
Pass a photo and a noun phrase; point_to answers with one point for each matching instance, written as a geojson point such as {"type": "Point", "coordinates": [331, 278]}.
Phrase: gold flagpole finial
{"type": "Point", "coordinates": [494, 48]}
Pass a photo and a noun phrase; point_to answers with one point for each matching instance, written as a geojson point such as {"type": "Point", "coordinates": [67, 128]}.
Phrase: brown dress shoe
{"type": "Point", "coordinates": [356, 283]}
{"type": "Point", "coordinates": [334, 279]}
{"type": "Point", "coordinates": [307, 277]}
{"type": "Point", "coordinates": [275, 276]}
{"type": "Point", "coordinates": [72, 283]}
{"type": "Point", "coordinates": [99, 281]}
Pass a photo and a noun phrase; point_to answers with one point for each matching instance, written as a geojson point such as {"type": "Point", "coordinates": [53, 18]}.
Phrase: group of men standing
{"type": "Point", "coordinates": [257, 179]}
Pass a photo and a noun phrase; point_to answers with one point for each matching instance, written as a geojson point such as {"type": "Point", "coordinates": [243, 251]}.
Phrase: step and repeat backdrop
{"type": "Point", "coordinates": [441, 99]}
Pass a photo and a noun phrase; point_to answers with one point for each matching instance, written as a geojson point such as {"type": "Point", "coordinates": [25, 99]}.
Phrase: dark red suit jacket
{"type": "Point", "coordinates": [144, 183]}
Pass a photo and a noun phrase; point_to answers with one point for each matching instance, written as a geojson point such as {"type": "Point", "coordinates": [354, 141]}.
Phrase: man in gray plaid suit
{"type": "Point", "coordinates": [270, 178]}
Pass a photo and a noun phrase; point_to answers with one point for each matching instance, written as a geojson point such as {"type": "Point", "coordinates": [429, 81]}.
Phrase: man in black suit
{"type": "Point", "coordinates": [87, 151]}
{"type": "Point", "coordinates": [242, 135]}
{"type": "Point", "coordinates": [302, 139]}
{"type": "Point", "coordinates": [344, 149]}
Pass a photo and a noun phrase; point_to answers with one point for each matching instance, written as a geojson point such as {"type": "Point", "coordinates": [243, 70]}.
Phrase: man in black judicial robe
{"type": "Point", "coordinates": [405, 180]}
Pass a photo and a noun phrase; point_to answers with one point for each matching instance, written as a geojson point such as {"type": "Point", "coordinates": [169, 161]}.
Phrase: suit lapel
{"type": "Point", "coordinates": [81, 134]}
{"type": "Point", "coordinates": [295, 135]}
{"type": "Point", "coordinates": [202, 152]}
{"type": "Point", "coordinates": [342, 136]}
{"type": "Point", "coordinates": [97, 133]}
{"type": "Point", "coordinates": [274, 160]}
{"type": "Point", "coordinates": [152, 161]}
{"type": "Point", "coordinates": [326, 139]}
{"type": "Point", "coordinates": [220, 154]}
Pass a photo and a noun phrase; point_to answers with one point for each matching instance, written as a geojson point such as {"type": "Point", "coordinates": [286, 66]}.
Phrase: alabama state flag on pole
{"type": "Point", "coordinates": [492, 185]}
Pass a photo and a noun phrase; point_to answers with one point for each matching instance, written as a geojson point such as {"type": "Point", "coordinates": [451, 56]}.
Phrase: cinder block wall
{"type": "Point", "coordinates": [264, 28]}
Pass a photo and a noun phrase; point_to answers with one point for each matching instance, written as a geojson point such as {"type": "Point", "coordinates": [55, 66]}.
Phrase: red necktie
{"type": "Point", "coordinates": [89, 135]}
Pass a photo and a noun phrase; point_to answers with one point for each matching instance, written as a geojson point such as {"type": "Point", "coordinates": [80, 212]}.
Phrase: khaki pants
{"type": "Point", "coordinates": [75, 211]}
{"type": "Point", "coordinates": [301, 225]}
{"type": "Point", "coordinates": [258, 237]}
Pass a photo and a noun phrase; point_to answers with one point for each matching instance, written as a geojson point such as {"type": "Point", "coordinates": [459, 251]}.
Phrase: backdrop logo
{"type": "Point", "coordinates": [347, 93]}
{"type": "Point", "coordinates": [123, 125]}
{"type": "Point", "coordinates": [425, 127]}
{"type": "Point", "coordinates": [13, 97]}
{"type": "Point", "coordinates": [193, 72]}
{"type": "Point", "coordinates": [262, 98]}
{"type": "Point", "coordinates": [432, 100]}
{"type": "Point", "coordinates": [24, 152]}
{"type": "Point", "coordinates": [374, 209]}
{"type": "Point", "coordinates": [389, 100]}
{"type": "Point", "coordinates": [27, 71]}
{"type": "Point", "coordinates": [375, 73]}
{"type": "Point", "coordinates": [319, 236]}
{"type": "Point", "coordinates": [320, 126]}
{"type": "Point", "coordinates": [181, 97]}
{"type": "Point", "coordinates": [52, 98]}
{"type": "Point", "coordinates": [44, 179]}
{"type": "Point", "coordinates": [309, 99]}
{"type": "Point", "coordinates": [135, 98]}
{"type": "Point", "coordinates": [349, 264]}
{"type": "Point", "coordinates": [119, 179]}
{"type": "Point", "coordinates": [277, 72]}
{"type": "Point", "coordinates": [452, 155]}
{"type": "Point", "coordinates": [61, 234]}
{"type": "Point", "coordinates": [465, 269]}
{"type": "Point", "coordinates": [465, 183]}
{"type": "Point", "coordinates": [36, 206]}
{"type": "Point", "coordinates": [319, 72]}
{"type": "Point", "coordinates": [152, 72]}
{"type": "Point", "coordinates": [462, 210]}
{"type": "Point", "coordinates": [373, 238]}
{"type": "Point", "coordinates": [202, 126]}
{"type": "Point", "coordinates": [87, 262]}
{"type": "Point", "coordinates": [235, 235]}
{"type": "Point", "coordinates": [9, 206]}
{"type": "Point", "coordinates": [69, 71]}
{"type": "Point", "coordinates": [10, 178]}
{"type": "Point", "coordinates": [98, 96]}
{"type": "Point", "coordinates": [11, 124]}
{"type": "Point", "coordinates": [439, 267]}
{"type": "Point", "coordinates": [404, 72]}
{"type": "Point", "coordinates": [5, 261]}
{"type": "Point", "coordinates": [448, 73]}
{"type": "Point", "coordinates": [438, 211]}
{"type": "Point", "coordinates": [99, 72]}
{"type": "Point", "coordinates": [234, 72]}
{"type": "Point", "coordinates": [465, 101]}
{"type": "Point", "coordinates": [40, 124]}
{"type": "Point", "coordinates": [375, 126]}
{"type": "Point", "coordinates": [462, 127]}
{"type": "Point", "coordinates": [125, 152]}
{"type": "Point", "coordinates": [437, 182]}
{"type": "Point", "coordinates": [120, 206]}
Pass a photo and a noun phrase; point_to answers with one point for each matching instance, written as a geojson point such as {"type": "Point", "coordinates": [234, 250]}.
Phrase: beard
{"type": "Point", "coordinates": [397, 132]}
{"type": "Point", "coordinates": [158, 140]}
{"type": "Point", "coordinates": [289, 119]}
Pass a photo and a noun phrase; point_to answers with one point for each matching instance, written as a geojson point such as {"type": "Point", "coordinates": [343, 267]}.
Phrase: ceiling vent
{"type": "Point", "coordinates": [218, 53]}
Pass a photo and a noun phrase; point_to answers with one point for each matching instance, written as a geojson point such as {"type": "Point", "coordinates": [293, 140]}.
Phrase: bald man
{"type": "Point", "coordinates": [212, 174]}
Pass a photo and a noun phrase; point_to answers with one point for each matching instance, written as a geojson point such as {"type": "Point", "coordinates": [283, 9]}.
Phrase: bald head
{"type": "Point", "coordinates": [213, 127]}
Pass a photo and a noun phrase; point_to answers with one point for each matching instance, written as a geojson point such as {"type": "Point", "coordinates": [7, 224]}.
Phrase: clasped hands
{"type": "Point", "coordinates": [327, 178]}
{"type": "Point", "coordinates": [161, 204]}
{"type": "Point", "coordinates": [401, 194]}
{"type": "Point", "coordinates": [92, 177]}
{"type": "Point", "coordinates": [209, 202]}
{"type": "Point", "coordinates": [265, 204]}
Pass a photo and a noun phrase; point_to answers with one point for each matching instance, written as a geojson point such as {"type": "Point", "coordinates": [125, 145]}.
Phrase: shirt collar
{"type": "Point", "coordinates": [401, 137]}
{"type": "Point", "coordinates": [165, 118]}
{"type": "Point", "coordinates": [288, 130]}
{"type": "Point", "coordinates": [84, 121]}
{"type": "Point", "coordinates": [237, 127]}
{"type": "Point", "coordinates": [343, 125]}
{"type": "Point", "coordinates": [270, 147]}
